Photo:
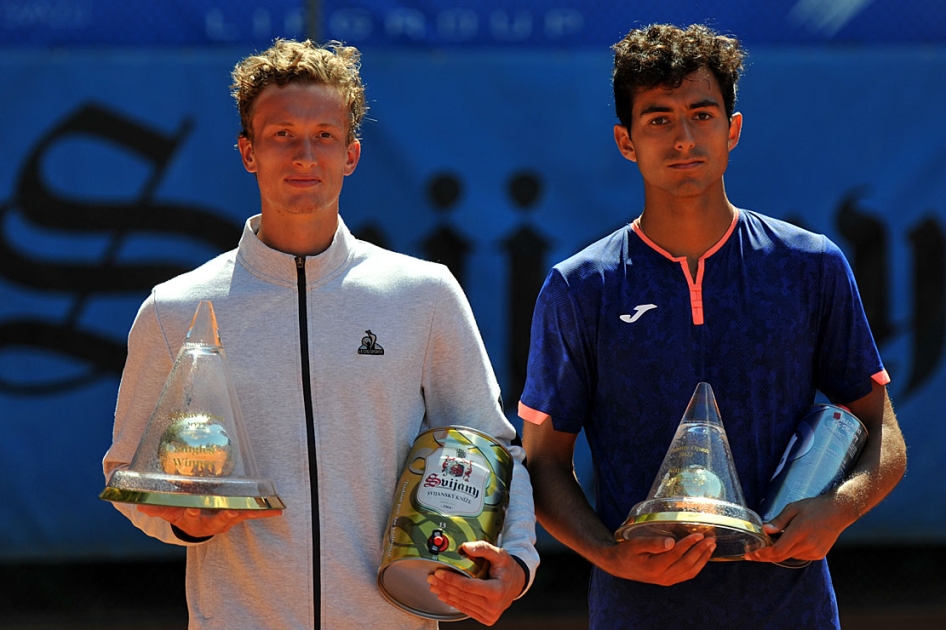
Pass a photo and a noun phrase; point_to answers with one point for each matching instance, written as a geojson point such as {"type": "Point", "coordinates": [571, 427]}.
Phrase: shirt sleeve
{"type": "Point", "coordinates": [460, 388]}
{"type": "Point", "coordinates": [848, 358]}
{"type": "Point", "coordinates": [560, 366]}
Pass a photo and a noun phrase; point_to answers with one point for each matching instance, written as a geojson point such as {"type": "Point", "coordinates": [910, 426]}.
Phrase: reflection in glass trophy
{"type": "Point", "coordinates": [698, 489]}
{"type": "Point", "coordinates": [194, 452]}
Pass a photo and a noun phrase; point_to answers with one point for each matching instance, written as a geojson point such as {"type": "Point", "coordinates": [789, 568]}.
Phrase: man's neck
{"type": "Point", "coordinates": [688, 227]}
{"type": "Point", "coordinates": [307, 234]}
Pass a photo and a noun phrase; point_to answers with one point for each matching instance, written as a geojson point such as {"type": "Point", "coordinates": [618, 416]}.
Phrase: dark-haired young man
{"type": "Point", "coordinates": [696, 289]}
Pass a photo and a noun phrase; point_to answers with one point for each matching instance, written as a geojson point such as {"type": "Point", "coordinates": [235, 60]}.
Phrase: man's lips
{"type": "Point", "coordinates": [686, 164]}
{"type": "Point", "coordinates": [303, 182]}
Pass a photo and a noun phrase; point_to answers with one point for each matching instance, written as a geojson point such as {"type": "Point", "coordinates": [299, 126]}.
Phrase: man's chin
{"type": "Point", "coordinates": [304, 208]}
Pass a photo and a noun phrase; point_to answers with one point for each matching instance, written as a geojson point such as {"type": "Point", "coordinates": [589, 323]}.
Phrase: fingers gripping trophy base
{"type": "Point", "coordinates": [737, 531]}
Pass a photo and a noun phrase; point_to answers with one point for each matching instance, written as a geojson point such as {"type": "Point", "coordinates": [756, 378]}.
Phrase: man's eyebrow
{"type": "Point", "coordinates": [655, 109]}
{"type": "Point", "coordinates": [289, 122]}
{"type": "Point", "coordinates": [707, 102]}
{"type": "Point", "coordinates": [663, 109]}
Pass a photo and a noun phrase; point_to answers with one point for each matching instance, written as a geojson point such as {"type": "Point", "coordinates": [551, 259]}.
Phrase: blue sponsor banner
{"type": "Point", "coordinates": [452, 23]}
{"type": "Point", "coordinates": [101, 197]}
{"type": "Point", "coordinates": [135, 23]}
{"type": "Point", "coordinates": [582, 23]}
{"type": "Point", "coordinates": [121, 171]}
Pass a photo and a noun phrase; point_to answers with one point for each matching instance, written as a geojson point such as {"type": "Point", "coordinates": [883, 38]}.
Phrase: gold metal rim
{"type": "Point", "coordinates": [694, 517]}
{"type": "Point", "coordinates": [205, 501]}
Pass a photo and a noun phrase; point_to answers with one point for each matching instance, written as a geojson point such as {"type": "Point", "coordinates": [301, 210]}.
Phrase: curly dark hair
{"type": "Point", "coordinates": [288, 61]}
{"type": "Point", "coordinates": [660, 55]}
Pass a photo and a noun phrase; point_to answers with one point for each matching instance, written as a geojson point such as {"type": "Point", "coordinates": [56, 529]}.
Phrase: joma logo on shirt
{"type": "Point", "coordinates": [638, 311]}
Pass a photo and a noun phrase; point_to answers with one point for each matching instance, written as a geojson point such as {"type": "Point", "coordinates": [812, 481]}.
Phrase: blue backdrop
{"type": "Point", "coordinates": [457, 23]}
{"type": "Point", "coordinates": [119, 170]}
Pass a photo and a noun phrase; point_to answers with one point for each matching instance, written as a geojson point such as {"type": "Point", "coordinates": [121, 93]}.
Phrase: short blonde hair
{"type": "Point", "coordinates": [288, 61]}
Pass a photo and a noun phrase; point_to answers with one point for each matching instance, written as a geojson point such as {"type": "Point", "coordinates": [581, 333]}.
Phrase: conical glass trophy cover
{"type": "Point", "coordinates": [194, 452]}
{"type": "Point", "coordinates": [698, 489]}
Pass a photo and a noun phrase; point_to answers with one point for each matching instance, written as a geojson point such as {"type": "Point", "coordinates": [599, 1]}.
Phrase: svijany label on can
{"type": "Point", "coordinates": [454, 482]}
{"type": "Point", "coordinates": [454, 488]}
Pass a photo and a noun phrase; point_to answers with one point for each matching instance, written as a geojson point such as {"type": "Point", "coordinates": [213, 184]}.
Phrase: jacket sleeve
{"type": "Point", "coordinates": [147, 366]}
{"type": "Point", "coordinates": [460, 388]}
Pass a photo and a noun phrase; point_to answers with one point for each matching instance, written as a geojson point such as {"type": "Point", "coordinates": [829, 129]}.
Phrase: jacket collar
{"type": "Point", "coordinates": [281, 268]}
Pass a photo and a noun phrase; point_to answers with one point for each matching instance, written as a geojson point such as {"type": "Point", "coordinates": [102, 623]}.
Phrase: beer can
{"type": "Point", "coordinates": [454, 488]}
{"type": "Point", "coordinates": [824, 447]}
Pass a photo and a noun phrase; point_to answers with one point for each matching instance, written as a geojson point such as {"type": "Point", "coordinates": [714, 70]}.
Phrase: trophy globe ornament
{"type": "Point", "coordinates": [194, 452]}
{"type": "Point", "coordinates": [697, 489]}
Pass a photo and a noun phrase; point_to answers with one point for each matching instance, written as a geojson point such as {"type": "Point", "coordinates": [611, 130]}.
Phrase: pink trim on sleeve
{"type": "Point", "coordinates": [881, 378]}
{"type": "Point", "coordinates": [531, 415]}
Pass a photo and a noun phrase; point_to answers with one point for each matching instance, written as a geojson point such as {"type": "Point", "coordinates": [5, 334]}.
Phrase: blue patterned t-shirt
{"type": "Point", "coordinates": [622, 334]}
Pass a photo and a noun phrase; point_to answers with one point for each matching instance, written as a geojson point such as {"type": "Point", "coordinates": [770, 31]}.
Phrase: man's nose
{"type": "Point", "coordinates": [685, 138]}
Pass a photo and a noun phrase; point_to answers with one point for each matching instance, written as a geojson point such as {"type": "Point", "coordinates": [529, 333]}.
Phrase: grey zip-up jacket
{"type": "Point", "coordinates": [330, 426]}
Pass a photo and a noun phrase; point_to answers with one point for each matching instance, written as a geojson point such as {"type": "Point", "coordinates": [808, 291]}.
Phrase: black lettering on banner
{"type": "Point", "coordinates": [525, 250]}
{"type": "Point", "coordinates": [871, 263]}
{"type": "Point", "coordinates": [446, 245]}
{"type": "Point", "coordinates": [42, 207]}
{"type": "Point", "coordinates": [929, 300]}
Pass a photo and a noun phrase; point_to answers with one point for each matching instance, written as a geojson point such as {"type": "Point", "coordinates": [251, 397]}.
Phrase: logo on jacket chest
{"type": "Point", "coordinates": [369, 344]}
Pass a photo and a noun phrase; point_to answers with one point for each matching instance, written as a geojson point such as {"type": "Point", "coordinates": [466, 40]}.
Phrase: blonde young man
{"type": "Point", "coordinates": [331, 427]}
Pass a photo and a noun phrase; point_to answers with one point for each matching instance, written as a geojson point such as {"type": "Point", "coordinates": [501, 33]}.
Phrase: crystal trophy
{"type": "Point", "coordinates": [697, 489]}
{"type": "Point", "coordinates": [194, 452]}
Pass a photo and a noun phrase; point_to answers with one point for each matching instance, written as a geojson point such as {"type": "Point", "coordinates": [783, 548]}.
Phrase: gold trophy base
{"type": "Point", "coordinates": [203, 501]}
{"type": "Point", "coordinates": [212, 493]}
{"type": "Point", "coordinates": [737, 531]}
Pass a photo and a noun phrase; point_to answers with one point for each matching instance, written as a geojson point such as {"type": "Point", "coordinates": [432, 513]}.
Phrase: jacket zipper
{"type": "Point", "coordinates": [310, 438]}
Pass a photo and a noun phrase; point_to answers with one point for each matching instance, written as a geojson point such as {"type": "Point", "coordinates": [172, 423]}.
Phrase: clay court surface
{"type": "Point", "coordinates": [878, 588]}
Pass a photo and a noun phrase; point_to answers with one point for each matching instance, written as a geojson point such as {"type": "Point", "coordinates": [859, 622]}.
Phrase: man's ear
{"type": "Point", "coordinates": [354, 154]}
{"type": "Point", "coordinates": [735, 130]}
{"type": "Point", "coordinates": [623, 139]}
{"type": "Point", "coordinates": [246, 153]}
